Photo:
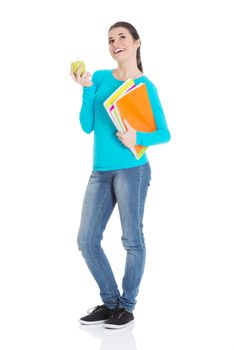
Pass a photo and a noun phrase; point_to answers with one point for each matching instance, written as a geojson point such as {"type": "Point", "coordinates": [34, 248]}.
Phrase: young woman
{"type": "Point", "coordinates": [117, 177]}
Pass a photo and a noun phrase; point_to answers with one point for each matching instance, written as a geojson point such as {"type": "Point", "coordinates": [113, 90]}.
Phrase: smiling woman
{"type": "Point", "coordinates": [124, 42]}
{"type": "Point", "coordinates": [117, 178]}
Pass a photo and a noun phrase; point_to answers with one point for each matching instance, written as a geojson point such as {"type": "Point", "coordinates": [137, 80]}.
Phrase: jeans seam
{"type": "Point", "coordinates": [138, 202]}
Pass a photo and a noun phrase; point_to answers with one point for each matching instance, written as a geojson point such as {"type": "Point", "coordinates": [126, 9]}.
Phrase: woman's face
{"type": "Point", "coordinates": [122, 46]}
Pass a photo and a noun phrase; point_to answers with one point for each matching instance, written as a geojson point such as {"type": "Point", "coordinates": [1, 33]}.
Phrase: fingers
{"type": "Point", "coordinates": [78, 75]}
{"type": "Point", "coordinates": [120, 135]}
{"type": "Point", "coordinates": [83, 79]}
{"type": "Point", "coordinates": [126, 139]}
{"type": "Point", "coordinates": [72, 74]}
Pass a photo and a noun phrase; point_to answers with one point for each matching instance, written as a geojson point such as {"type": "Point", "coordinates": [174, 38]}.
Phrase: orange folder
{"type": "Point", "coordinates": [135, 107]}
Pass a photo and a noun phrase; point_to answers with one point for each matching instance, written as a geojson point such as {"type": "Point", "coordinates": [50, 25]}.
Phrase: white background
{"type": "Point", "coordinates": [186, 297]}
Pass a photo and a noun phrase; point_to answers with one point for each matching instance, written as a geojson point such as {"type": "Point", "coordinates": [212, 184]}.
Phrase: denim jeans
{"type": "Point", "coordinates": [128, 188]}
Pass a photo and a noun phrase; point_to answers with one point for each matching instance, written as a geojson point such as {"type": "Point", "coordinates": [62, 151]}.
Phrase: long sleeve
{"type": "Point", "coordinates": [87, 108]}
{"type": "Point", "coordinates": [162, 134]}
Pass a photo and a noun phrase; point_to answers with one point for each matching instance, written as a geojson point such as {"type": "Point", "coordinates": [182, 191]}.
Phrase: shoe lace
{"type": "Point", "coordinates": [95, 309]}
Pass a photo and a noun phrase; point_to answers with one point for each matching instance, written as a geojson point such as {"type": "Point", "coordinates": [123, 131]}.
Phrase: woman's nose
{"type": "Point", "coordinates": [115, 44]}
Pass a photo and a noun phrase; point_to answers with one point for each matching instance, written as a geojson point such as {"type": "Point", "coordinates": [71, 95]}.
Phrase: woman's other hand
{"type": "Point", "coordinates": [83, 80]}
{"type": "Point", "coordinates": [128, 138]}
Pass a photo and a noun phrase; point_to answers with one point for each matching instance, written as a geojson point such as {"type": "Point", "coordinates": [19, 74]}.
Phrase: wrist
{"type": "Point", "coordinates": [88, 84]}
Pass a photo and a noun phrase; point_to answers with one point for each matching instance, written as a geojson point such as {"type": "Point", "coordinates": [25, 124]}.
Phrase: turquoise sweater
{"type": "Point", "coordinates": [109, 152]}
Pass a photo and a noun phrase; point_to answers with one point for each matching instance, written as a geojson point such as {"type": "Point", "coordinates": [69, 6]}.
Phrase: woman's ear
{"type": "Point", "coordinates": [138, 42]}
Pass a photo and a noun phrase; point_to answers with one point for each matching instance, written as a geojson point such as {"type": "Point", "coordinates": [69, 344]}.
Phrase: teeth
{"type": "Point", "coordinates": [118, 50]}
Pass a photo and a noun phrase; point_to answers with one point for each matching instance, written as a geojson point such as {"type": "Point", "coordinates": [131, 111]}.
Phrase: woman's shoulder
{"type": "Point", "coordinates": [99, 74]}
{"type": "Point", "coordinates": [149, 83]}
{"type": "Point", "coordinates": [148, 80]}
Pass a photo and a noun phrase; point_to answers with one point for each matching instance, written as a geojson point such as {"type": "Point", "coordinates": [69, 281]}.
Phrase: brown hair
{"type": "Point", "coordinates": [132, 30]}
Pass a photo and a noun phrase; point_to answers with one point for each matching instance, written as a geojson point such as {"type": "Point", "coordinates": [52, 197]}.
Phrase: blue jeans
{"type": "Point", "coordinates": [128, 188]}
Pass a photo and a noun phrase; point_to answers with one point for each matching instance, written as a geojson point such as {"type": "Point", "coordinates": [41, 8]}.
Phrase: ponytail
{"type": "Point", "coordinates": [139, 63]}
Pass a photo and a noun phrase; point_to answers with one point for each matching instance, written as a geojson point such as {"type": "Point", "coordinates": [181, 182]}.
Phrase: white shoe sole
{"type": "Point", "coordinates": [90, 323]}
{"type": "Point", "coordinates": [115, 326]}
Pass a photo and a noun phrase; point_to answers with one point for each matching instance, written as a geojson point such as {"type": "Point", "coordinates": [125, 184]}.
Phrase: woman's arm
{"type": "Point", "coordinates": [162, 134]}
{"type": "Point", "coordinates": [87, 108]}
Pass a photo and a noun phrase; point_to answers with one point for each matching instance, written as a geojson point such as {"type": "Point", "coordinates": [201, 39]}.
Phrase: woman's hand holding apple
{"type": "Point", "coordinates": [82, 78]}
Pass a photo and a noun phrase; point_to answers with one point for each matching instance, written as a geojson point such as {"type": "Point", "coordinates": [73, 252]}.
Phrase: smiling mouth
{"type": "Point", "coordinates": [118, 51]}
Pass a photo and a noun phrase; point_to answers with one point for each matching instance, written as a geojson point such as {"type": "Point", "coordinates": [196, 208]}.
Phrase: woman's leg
{"type": "Point", "coordinates": [131, 187]}
{"type": "Point", "coordinates": [99, 202]}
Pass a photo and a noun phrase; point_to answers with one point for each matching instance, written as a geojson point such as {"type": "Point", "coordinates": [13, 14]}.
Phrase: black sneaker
{"type": "Point", "coordinates": [96, 315]}
{"type": "Point", "coordinates": [119, 318]}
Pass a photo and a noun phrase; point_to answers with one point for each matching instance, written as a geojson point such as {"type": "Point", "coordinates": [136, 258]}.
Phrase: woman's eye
{"type": "Point", "coordinates": [121, 37]}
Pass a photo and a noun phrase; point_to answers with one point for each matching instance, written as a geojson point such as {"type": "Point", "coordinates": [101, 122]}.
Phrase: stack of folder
{"type": "Point", "coordinates": [131, 102]}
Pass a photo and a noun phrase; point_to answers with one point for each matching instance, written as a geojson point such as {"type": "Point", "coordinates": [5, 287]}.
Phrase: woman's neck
{"type": "Point", "coordinates": [124, 73]}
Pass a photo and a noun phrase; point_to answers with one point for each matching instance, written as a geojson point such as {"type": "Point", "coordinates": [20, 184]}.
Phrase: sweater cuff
{"type": "Point", "coordinates": [139, 138]}
{"type": "Point", "coordinates": [89, 89]}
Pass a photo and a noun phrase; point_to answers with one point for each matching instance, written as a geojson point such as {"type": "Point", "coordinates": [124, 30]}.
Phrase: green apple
{"type": "Point", "coordinates": [78, 64]}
